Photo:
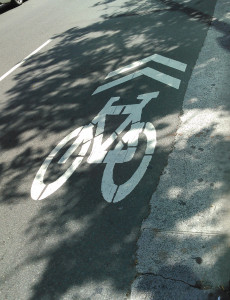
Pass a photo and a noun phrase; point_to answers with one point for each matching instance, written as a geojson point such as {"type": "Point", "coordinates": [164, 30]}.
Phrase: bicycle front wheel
{"type": "Point", "coordinates": [112, 192]}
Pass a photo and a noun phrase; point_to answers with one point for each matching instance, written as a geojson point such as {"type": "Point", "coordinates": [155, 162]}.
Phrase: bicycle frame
{"type": "Point", "coordinates": [100, 153]}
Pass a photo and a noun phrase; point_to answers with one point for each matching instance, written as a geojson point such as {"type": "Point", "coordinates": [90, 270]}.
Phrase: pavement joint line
{"type": "Point", "coordinates": [24, 60]}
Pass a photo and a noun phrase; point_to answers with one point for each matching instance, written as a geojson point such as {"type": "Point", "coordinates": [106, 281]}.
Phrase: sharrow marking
{"type": "Point", "coordinates": [149, 72]}
{"type": "Point", "coordinates": [157, 58]}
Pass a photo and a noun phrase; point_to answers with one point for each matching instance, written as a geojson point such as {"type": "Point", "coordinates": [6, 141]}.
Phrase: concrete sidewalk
{"type": "Point", "coordinates": [183, 251]}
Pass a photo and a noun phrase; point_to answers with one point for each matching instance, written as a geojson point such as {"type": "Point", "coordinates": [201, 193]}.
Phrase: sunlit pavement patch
{"type": "Point", "coordinates": [190, 242]}
{"type": "Point", "coordinates": [100, 150]}
{"type": "Point", "coordinates": [74, 240]}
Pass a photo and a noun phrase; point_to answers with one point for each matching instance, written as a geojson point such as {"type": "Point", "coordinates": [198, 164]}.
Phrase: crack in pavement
{"type": "Point", "coordinates": [199, 285]}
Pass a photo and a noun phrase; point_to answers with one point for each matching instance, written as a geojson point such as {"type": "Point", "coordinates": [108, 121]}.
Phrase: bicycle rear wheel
{"type": "Point", "coordinates": [83, 135]}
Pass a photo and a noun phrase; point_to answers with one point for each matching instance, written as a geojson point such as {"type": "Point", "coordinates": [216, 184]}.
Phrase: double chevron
{"type": "Point", "coordinates": [149, 72]}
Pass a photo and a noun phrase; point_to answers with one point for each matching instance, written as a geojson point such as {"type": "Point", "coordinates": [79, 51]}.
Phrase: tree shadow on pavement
{"type": "Point", "coordinates": [199, 11]}
{"type": "Point", "coordinates": [78, 243]}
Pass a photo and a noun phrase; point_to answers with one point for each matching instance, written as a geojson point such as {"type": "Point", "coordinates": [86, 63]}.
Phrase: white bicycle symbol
{"type": "Point", "coordinates": [100, 154]}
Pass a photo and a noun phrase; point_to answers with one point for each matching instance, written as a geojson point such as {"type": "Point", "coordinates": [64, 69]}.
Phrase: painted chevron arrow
{"type": "Point", "coordinates": [172, 63]}
{"type": "Point", "coordinates": [149, 72]}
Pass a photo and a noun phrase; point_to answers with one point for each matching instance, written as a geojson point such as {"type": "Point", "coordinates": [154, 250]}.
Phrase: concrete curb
{"type": "Point", "coordinates": [183, 251]}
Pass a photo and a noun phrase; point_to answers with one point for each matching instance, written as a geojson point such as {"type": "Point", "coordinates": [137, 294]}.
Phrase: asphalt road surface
{"type": "Point", "coordinates": [70, 231]}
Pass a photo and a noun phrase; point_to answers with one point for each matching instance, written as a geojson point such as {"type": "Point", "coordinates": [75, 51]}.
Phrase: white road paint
{"type": "Point", "coordinates": [151, 139]}
{"type": "Point", "coordinates": [41, 191]}
{"type": "Point", "coordinates": [24, 60]}
{"type": "Point", "coordinates": [125, 149]}
{"type": "Point", "coordinates": [131, 137]}
{"type": "Point", "coordinates": [100, 152]}
{"type": "Point", "coordinates": [84, 137]}
{"type": "Point", "coordinates": [126, 188]}
{"type": "Point", "coordinates": [149, 72]}
{"type": "Point", "coordinates": [110, 191]}
{"type": "Point", "coordinates": [156, 58]}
